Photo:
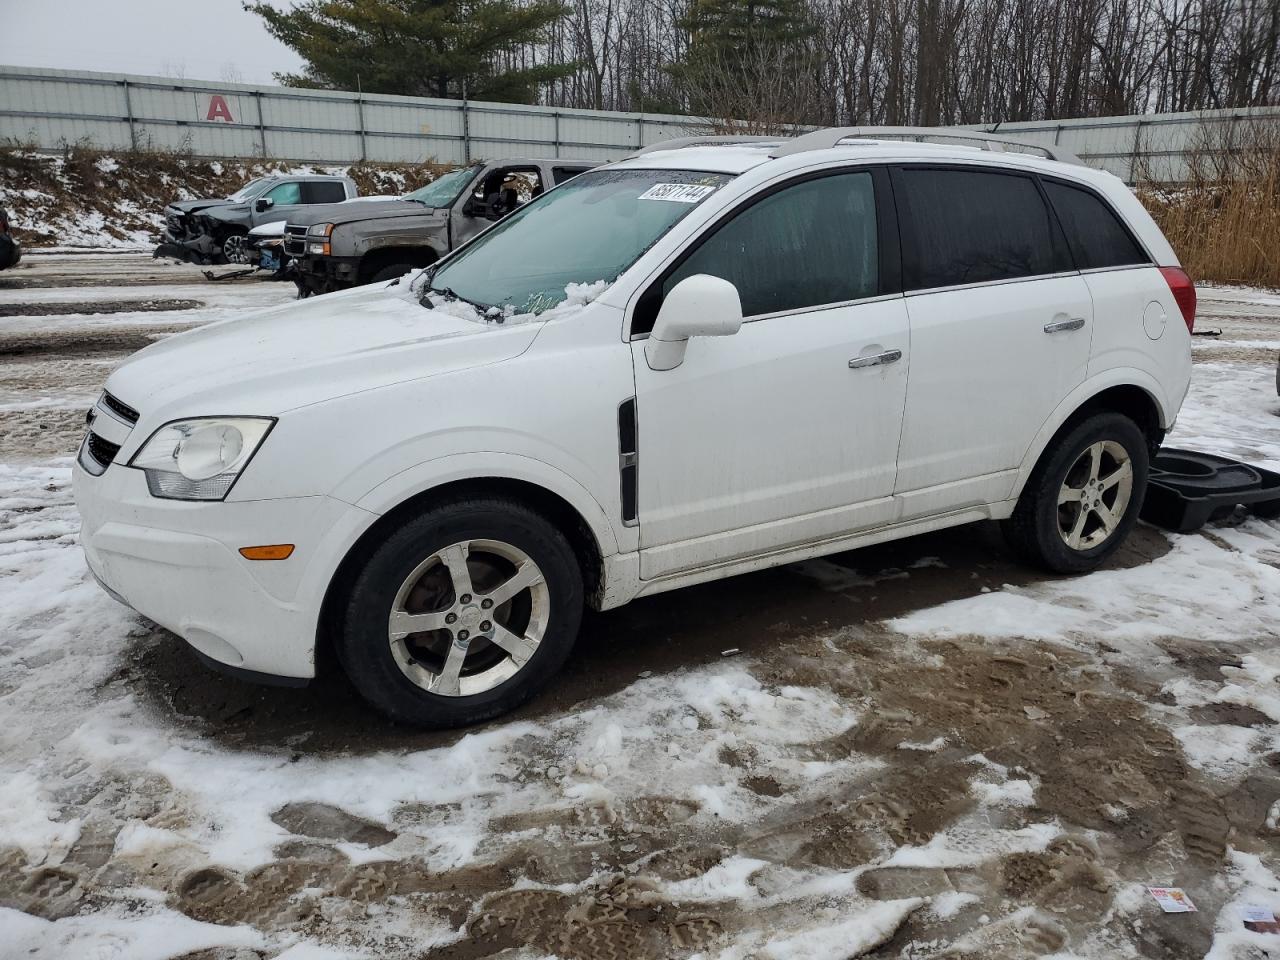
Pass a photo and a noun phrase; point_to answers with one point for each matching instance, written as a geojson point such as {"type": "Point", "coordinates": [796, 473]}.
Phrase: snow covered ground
{"type": "Point", "coordinates": [920, 750]}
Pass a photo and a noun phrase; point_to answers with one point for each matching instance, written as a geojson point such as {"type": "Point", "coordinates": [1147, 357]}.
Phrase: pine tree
{"type": "Point", "coordinates": [429, 48]}
{"type": "Point", "coordinates": [740, 50]}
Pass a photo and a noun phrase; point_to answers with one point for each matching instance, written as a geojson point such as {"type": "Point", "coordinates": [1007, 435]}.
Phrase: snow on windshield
{"type": "Point", "coordinates": [576, 296]}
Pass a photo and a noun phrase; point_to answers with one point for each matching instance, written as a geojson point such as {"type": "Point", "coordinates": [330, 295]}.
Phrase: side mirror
{"type": "Point", "coordinates": [697, 306]}
{"type": "Point", "coordinates": [263, 204]}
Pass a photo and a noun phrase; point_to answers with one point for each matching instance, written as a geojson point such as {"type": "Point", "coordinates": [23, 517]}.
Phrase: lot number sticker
{"type": "Point", "coordinates": [677, 192]}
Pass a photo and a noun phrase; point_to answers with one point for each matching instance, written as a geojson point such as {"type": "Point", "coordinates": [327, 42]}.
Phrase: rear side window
{"type": "Point", "coordinates": [973, 226]}
{"type": "Point", "coordinates": [323, 191]}
{"type": "Point", "coordinates": [809, 244]}
{"type": "Point", "coordinates": [561, 174]}
{"type": "Point", "coordinates": [1097, 237]}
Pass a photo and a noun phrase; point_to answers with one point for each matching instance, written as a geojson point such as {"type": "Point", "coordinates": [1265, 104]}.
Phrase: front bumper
{"type": "Point", "coordinates": [178, 564]}
{"type": "Point", "coordinates": [325, 274]}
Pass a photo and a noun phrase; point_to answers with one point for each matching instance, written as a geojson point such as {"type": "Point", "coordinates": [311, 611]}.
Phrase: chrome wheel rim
{"type": "Point", "coordinates": [469, 617]}
{"type": "Point", "coordinates": [1094, 495]}
{"type": "Point", "coordinates": [233, 248]}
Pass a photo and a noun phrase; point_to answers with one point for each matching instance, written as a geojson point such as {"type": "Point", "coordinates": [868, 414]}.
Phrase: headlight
{"type": "Point", "coordinates": [321, 229]}
{"type": "Point", "coordinates": [199, 459]}
{"type": "Point", "coordinates": [318, 249]}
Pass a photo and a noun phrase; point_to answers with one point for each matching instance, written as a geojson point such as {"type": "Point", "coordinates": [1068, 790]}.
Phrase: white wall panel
{"type": "Point", "coordinates": [54, 107]}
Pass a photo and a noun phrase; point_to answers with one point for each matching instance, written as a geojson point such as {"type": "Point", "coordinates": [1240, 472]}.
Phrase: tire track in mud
{"type": "Point", "coordinates": [593, 883]}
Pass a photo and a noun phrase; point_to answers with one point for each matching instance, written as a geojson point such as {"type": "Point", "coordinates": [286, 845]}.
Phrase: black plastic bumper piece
{"type": "Point", "coordinates": [250, 676]}
{"type": "Point", "coordinates": [1188, 489]}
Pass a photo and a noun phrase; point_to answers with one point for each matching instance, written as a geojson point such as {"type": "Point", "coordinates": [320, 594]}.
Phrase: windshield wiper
{"type": "Point", "coordinates": [450, 294]}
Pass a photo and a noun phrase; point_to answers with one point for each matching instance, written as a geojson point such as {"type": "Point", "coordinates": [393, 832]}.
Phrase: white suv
{"type": "Point", "coordinates": [708, 358]}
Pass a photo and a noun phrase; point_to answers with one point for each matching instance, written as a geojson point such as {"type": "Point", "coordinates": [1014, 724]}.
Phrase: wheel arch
{"type": "Point", "coordinates": [379, 257]}
{"type": "Point", "coordinates": [583, 538]}
{"type": "Point", "coordinates": [1131, 396]}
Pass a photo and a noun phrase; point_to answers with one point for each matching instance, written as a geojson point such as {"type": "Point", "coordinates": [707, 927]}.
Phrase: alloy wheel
{"type": "Point", "coordinates": [469, 617]}
{"type": "Point", "coordinates": [235, 248]}
{"type": "Point", "coordinates": [1094, 495]}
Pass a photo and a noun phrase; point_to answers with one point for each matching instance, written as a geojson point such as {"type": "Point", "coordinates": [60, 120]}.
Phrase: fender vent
{"type": "Point", "coordinates": [628, 458]}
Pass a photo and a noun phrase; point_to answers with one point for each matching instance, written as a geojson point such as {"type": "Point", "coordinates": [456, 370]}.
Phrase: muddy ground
{"type": "Point", "coordinates": [990, 797]}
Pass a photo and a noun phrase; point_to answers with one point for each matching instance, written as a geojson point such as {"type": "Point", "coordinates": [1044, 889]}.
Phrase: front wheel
{"type": "Point", "coordinates": [1083, 497]}
{"type": "Point", "coordinates": [235, 248]}
{"type": "Point", "coordinates": [392, 272]}
{"type": "Point", "coordinates": [462, 614]}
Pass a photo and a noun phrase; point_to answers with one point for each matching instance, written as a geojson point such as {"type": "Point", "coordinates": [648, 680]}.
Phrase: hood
{"type": "Point", "coordinates": [308, 351]}
{"type": "Point", "coordinates": [194, 206]}
{"type": "Point", "coordinates": [360, 209]}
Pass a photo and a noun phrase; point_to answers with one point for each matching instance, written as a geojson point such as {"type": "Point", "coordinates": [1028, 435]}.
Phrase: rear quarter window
{"type": "Point", "coordinates": [974, 226]}
{"type": "Point", "coordinates": [1097, 236]}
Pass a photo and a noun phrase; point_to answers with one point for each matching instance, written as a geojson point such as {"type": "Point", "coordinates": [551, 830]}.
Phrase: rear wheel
{"type": "Point", "coordinates": [1084, 496]}
{"type": "Point", "coordinates": [462, 614]}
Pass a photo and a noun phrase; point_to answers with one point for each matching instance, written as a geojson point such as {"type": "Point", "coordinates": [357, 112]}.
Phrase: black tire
{"type": "Point", "coordinates": [363, 648]}
{"type": "Point", "coordinates": [1033, 529]}
{"type": "Point", "coordinates": [391, 272]}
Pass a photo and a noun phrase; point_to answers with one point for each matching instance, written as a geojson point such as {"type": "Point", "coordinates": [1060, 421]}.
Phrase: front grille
{"type": "Point", "coordinates": [126, 412]}
{"type": "Point", "coordinates": [97, 453]}
{"type": "Point", "coordinates": [295, 240]}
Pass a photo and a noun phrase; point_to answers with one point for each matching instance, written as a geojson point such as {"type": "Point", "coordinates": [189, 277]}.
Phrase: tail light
{"type": "Point", "coordinates": [1184, 293]}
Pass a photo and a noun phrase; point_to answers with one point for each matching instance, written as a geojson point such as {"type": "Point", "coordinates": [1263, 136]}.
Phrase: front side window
{"type": "Point", "coordinates": [442, 191]}
{"type": "Point", "coordinates": [807, 245]}
{"type": "Point", "coordinates": [974, 226]}
{"type": "Point", "coordinates": [1096, 235]}
{"type": "Point", "coordinates": [286, 193]}
{"type": "Point", "coordinates": [589, 229]}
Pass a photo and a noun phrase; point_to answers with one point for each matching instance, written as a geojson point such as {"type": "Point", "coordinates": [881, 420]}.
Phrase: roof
{"type": "Point", "coordinates": [738, 154]}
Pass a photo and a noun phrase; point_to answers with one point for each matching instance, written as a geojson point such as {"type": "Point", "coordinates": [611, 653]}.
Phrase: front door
{"type": "Point", "coordinates": [786, 432]}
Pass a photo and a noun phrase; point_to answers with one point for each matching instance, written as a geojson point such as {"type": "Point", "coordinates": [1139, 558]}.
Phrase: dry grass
{"type": "Point", "coordinates": [1224, 222]}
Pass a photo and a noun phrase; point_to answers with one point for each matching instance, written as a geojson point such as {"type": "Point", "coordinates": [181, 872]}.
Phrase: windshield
{"type": "Point", "coordinates": [252, 188]}
{"type": "Point", "coordinates": [589, 229]}
{"type": "Point", "coordinates": [442, 191]}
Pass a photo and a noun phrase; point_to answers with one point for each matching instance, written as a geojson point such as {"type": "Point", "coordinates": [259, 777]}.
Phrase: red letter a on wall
{"type": "Point", "coordinates": [218, 109]}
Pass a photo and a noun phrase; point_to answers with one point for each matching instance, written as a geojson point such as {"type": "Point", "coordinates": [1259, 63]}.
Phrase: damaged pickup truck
{"type": "Point", "coordinates": [217, 231]}
{"type": "Point", "coordinates": [359, 243]}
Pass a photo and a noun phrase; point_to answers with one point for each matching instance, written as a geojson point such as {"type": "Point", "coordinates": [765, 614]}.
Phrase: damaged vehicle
{"type": "Point", "coordinates": [367, 243]}
{"type": "Point", "coordinates": [217, 231]}
{"type": "Point", "coordinates": [265, 247]}
{"type": "Point", "coordinates": [10, 250]}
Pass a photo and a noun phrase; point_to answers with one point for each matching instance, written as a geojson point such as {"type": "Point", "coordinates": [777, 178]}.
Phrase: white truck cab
{"type": "Point", "coordinates": [711, 357]}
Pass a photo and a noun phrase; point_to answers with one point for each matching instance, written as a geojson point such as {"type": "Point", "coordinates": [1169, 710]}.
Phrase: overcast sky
{"type": "Point", "coordinates": [195, 39]}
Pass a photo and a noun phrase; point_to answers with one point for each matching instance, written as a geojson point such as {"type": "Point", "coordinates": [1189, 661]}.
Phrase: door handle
{"type": "Point", "coordinates": [875, 360]}
{"type": "Point", "coordinates": [1058, 326]}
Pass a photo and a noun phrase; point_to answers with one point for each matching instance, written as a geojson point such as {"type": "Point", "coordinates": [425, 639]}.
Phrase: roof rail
{"type": "Point", "coordinates": [703, 141]}
{"type": "Point", "coordinates": [830, 137]}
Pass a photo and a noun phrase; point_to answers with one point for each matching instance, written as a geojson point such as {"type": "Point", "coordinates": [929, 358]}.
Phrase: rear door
{"type": "Point", "coordinates": [786, 432]}
{"type": "Point", "coordinates": [1000, 330]}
